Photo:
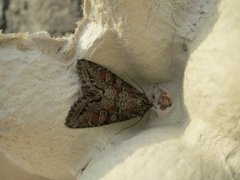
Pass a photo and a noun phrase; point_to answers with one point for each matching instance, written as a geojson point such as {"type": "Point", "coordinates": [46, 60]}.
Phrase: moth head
{"type": "Point", "coordinates": [145, 103]}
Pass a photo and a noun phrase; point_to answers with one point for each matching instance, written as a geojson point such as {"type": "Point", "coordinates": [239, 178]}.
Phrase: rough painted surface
{"type": "Point", "coordinates": [58, 18]}
{"type": "Point", "coordinates": [39, 84]}
{"type": "Point", "coordinates": [11, 171]}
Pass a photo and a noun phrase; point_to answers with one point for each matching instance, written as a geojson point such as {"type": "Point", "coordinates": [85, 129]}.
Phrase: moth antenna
{"type": "Point", "coordinates": [129, 126]}
{"type": "Point", "coordinates": [135, 83]}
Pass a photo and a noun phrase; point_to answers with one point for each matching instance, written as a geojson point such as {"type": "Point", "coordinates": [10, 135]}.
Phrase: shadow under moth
{"type": "Point", "coordinates": [106, 98]}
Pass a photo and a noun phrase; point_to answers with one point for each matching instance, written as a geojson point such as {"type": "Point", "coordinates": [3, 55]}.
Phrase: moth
{"type": "Point", "coordinates": [106, 98]}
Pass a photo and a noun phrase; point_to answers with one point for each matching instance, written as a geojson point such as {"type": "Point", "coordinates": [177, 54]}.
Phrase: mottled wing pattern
{"type": "Point", "coordinates": [75, 113]}
{"type": "Point", "coordinates": [106, 98]}
{"type": "Point", "coordinates": [92, 74]}
{"type": "Point", "coordinates": [90, 114]}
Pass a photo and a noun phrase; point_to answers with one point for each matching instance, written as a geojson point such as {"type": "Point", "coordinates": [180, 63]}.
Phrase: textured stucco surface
{"type": "Point", "coordinates": [197, 139]}
{"type": "Point", "coordinates": [58, 18]}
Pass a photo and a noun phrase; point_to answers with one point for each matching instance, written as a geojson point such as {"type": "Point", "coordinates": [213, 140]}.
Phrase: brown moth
{"type": "Point", "coordinates": [106, 98]}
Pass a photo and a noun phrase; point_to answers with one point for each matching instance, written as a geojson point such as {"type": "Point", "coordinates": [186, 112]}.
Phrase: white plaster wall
{"type": "Point", "coordinates": [212, 92]}
{"type": "Point", "coordinates": [148, 41]}
{"type": "Point", "coordinates": [11, 171]}
{"type": "Point", "coordinates": [214, 83]}
{"type": "Point", "coordinates": [56, 17]}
